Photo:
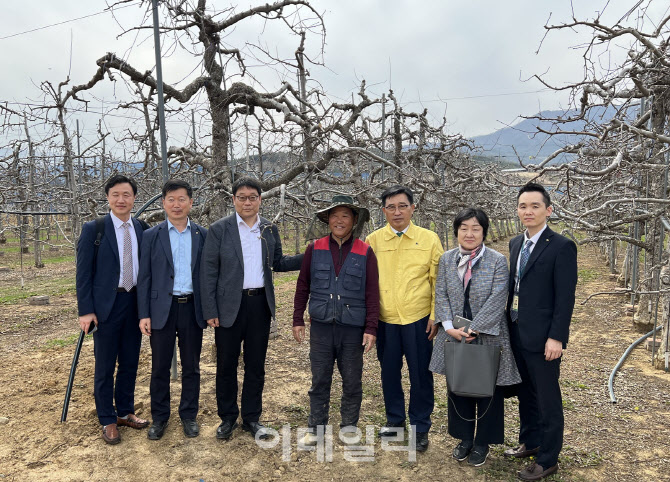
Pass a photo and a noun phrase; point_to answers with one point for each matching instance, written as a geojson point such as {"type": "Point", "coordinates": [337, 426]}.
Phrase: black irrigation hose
{"type": "Point", "coordinates": [610, 383]}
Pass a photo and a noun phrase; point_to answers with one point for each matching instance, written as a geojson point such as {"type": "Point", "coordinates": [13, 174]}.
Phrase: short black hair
{"type": "Point", "coordinates": [535, 187]}
{"type": "Point", "coordinates": [246, 182]}
{"type": "Point", "coordinates": [174, 184]}
{"type": "Point", "coordinates": [469, 213]}
{"type": "Point", "coordinates": [120, 179]}
{"type": "Point", "coordinates": [394, 191]}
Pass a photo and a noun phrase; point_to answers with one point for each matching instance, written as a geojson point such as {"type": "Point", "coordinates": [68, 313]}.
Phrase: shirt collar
{"type": "Point", "coordinates": [117, 222]}
{"type": "Point", "coordinates": [406, 231]}
{"type": "Point", "coordinates": [172, 226]}
{"type": "Point", "coordinates": [535, 238]}
{"type": "Point", "coordinates": [396, 231]}
{"type": "Point", "coordinates": [240, 221]}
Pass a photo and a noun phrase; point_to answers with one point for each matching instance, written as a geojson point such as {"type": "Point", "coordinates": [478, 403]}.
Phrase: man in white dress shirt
{"type": "Point", "coordinates": [240, 253]}
{"type": "Point", "coordinates": [107, 266]}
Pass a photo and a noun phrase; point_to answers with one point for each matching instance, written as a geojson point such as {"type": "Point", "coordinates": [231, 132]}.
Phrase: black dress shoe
{"type": "Point", "coordinates": [256, 429]}
{"type": "Point", "coordinates": [191, 428]}
{"type": "Point", "coordinates": [421, 441]}
{"type": "Point", "coordinates": [157, 430]}
{"type": "Point", "coordinates": [392, 429]}
{"type": "Point", "coordinates": [225, 430]}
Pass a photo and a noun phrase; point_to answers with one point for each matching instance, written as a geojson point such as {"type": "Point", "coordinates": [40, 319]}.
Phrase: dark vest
{"type": "Point", "coordinates": [338, 299]}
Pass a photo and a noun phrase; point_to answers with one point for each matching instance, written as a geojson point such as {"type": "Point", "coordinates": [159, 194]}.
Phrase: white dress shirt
{"type": "Point", "coordinates": [252, 253]}
{"type": "Point", "coordinates": [119, 232]}
{"type": "Point", "coordinates": [534, 239]}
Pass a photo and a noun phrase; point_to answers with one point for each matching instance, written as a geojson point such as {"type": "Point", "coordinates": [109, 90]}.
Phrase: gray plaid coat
{"type": "Point", "coordinates": [488, 297]}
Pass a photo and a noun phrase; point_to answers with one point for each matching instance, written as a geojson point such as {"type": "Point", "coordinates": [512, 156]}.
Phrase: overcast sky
{"type": "Point", "coordinates": [468, 60]}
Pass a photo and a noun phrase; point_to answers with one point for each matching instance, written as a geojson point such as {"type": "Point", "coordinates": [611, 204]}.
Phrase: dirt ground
{"type": "Point", "coordinates": [603, 441]}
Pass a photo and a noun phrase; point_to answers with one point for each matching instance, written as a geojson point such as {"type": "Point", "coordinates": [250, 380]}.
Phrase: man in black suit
{"type": "Point", "coordinates": [107, 266]}
{"type": "Point", "coordinates": [543, 278]}
{"type": "Point", "coordinates": [168, 300]}
{"type": "Point", "coordinates": [238, 299]}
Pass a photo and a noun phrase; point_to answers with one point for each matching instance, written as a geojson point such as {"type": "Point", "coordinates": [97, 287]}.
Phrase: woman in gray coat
{"type": "Point", "coordinates": [472, 283]}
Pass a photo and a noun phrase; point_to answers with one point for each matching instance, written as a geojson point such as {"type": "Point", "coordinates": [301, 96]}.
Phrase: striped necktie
{"type": "Point", "coordinates": [523, 260]}
{"type": "Point", "coordinates": [525, 254]}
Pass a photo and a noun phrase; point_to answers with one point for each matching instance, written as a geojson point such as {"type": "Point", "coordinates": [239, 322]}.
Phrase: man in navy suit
{"type": "Point", "coordinates": [543, 278]}
{"type": "Point", "coordinates": [168, 300]}
{"type": "Point", "coordinates": [107, 269]}
{"type": "Point", "coordinates": [238, 300]}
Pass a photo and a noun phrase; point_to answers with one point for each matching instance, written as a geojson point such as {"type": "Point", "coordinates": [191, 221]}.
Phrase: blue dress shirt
{"type": "Point", "coordinates": [180, 244]}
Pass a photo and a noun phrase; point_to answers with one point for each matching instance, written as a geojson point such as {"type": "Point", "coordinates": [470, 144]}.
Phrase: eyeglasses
{"type": "Point", "coordinates": [399, 207]}
{"type": "Point", "coordinates": [243, 199]}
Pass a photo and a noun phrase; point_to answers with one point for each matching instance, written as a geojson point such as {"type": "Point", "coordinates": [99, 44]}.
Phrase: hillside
{"type": "Point", "coordinates": [532, 145]}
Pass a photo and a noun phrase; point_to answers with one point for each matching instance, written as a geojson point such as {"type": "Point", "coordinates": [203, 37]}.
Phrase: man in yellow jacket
{"type": "Point", "coordinates": [407, 257]}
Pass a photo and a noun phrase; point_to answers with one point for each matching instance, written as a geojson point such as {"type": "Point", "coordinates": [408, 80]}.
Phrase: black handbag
{"type": "Point", "coordinates": [471, 368]}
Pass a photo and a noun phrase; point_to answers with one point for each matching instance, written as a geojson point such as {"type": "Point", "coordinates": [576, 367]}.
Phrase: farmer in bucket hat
{"type": "Point", "coordinates": [339, 277]}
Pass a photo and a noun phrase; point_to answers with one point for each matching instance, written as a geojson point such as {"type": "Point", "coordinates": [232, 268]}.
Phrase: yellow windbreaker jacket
{"type": "Point", "coordinates": [407, 271]}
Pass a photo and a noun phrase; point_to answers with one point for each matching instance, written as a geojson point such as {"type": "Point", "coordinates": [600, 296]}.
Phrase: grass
{"type": "Point", "coordinates": [585, 275]}
{"type": "Point", "coordinates": [299, 410]}
{"type": "Point", "coordinates": [61, 342]}
{"type": "Point", "coordinates": [51, 287]}
{"type": "Point", "coordinates": [58, 259]}
{"type": "Point", "coordinates": [12, 257]}
{"type": "Point", "coordinates": [14, 249]}
{"type": "Point", "coordinates": [289, 278]}
{"type": "Point", "coordinates": [30, 232]}
{"type": "Point", "coordinates": [573, 384]}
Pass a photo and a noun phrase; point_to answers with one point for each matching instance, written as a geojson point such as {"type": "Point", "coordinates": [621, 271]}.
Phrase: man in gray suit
{"type": "Point", "coordinates": [238, 300]}
{"type": "Point", "coordinates": [168, 301]}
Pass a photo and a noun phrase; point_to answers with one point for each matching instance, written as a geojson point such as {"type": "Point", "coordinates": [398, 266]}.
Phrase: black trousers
{"type": "Point", "coordinates": [117, 338]}
{"type": "Point", "coordinates": [180, 324]}
{"type": "Point", "coordinates": [330, 343]}
{"type": "Point", "coordinates": [489, 429]}
{"type": "Point", "coordinates": [251, 327]}
{"type": "Point", "coordinates": [394, 341]}
{"type": "Point", "coordinates": [540, 402]}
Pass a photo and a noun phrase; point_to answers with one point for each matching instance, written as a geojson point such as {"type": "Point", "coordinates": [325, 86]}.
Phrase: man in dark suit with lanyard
{"type": "Point", "coordinates": [238, 299]}
{"type": "Point", "coordinates": [168, 300]}
{"type": "Point", "coordinates": [543, 278]}
{"type": "Point", "coordinates": [106, 296]}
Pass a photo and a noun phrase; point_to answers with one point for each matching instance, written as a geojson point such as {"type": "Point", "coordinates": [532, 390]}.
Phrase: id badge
{"type": "Point", "coordinates": [515, 303]}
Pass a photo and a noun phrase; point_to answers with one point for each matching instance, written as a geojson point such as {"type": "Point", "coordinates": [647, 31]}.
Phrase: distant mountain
{"type": "Point", "coordinates": [532, 145]}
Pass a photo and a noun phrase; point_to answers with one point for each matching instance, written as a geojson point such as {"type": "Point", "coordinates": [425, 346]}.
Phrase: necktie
{"type": "Point", "coordinates": [525, 254]}
{"type": "Point", "coordinates": [127, 281]}
{"type": "Point", "coordinates": [523, 259]}
{"type": "Point", "coordinates": [399, 234]}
